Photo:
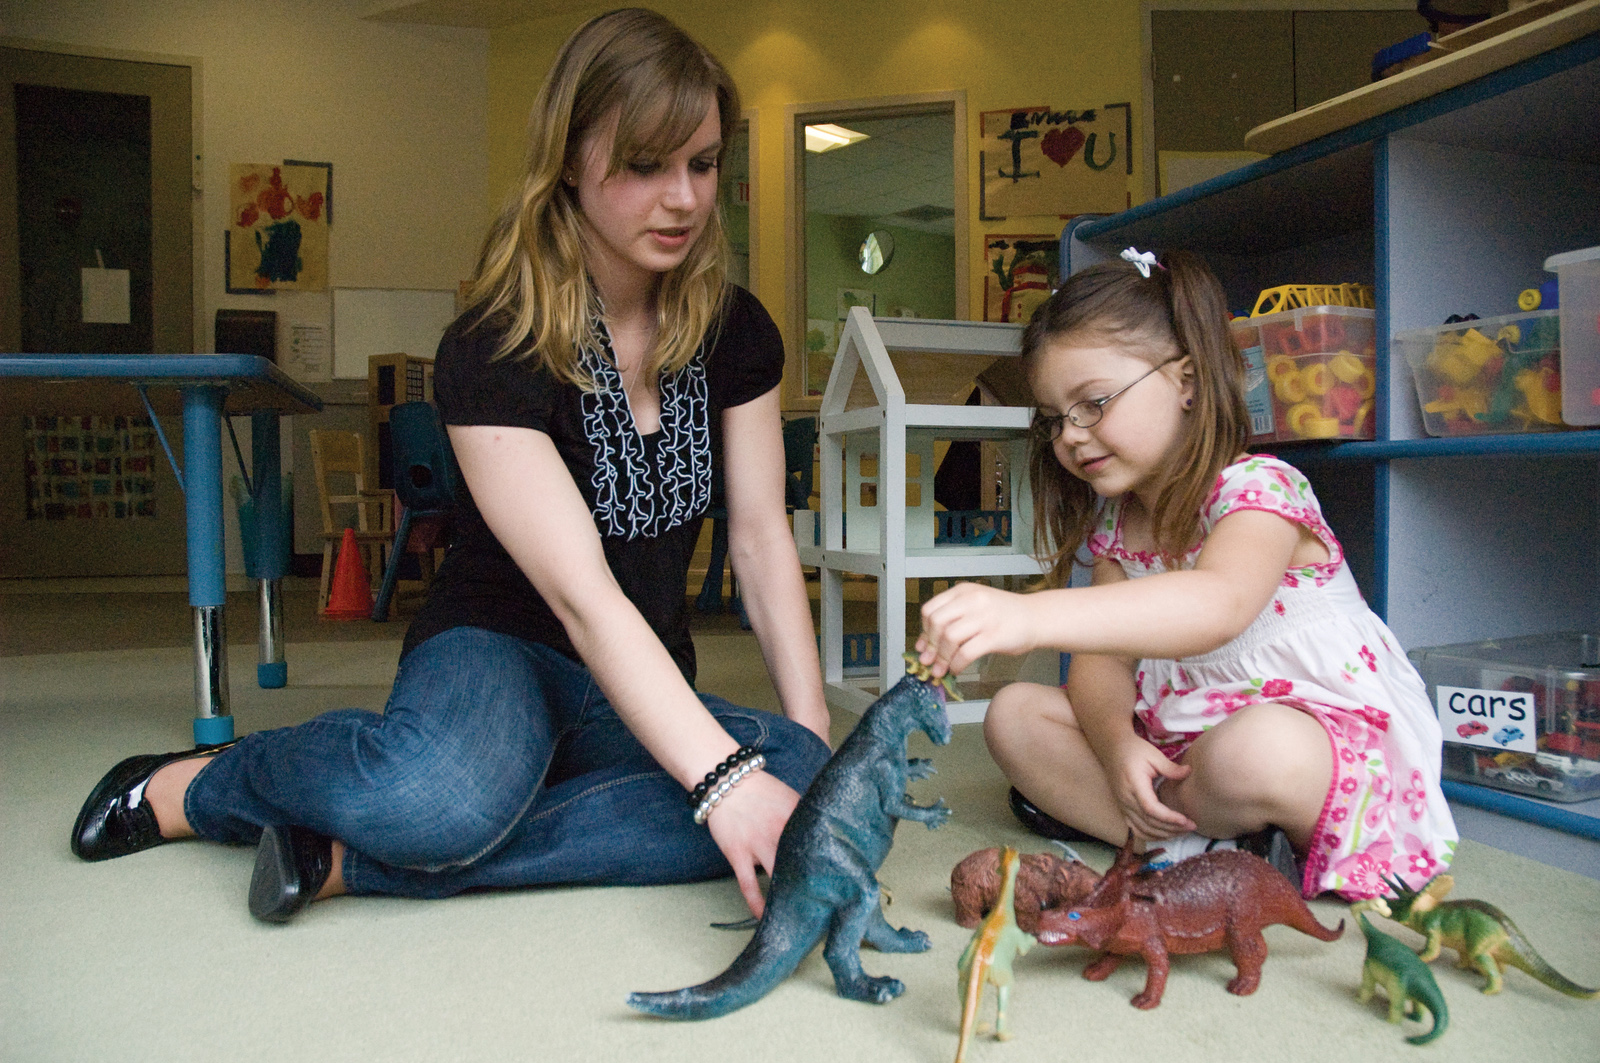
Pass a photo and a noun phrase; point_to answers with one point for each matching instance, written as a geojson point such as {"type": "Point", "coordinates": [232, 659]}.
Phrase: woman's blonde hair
{"type": "Point", "coordinates": [1179, 311]}
{"type": "Point", "coordinates": [634, 68]}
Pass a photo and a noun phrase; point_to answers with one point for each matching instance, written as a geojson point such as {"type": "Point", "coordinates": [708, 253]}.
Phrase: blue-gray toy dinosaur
{"type": "Point", "coordinates": [825, 879]}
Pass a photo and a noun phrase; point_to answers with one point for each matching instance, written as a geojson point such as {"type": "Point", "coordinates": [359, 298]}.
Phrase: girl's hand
{"type": "Point", "coordinates": [1133, 772]}
{"type": "Point", "coordinates": [746, 826]}
{"type": "Point", "coordinates": [970, 620]}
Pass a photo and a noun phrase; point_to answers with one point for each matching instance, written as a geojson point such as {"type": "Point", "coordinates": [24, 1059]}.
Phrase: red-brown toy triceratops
{"type": "Point", "coordinates": [1043, 881]}
{"type": "Point", "coordinates": [1217, 900]}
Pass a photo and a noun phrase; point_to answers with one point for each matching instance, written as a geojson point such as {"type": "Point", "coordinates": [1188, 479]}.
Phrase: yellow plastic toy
{"type": "Point", "coordinates": [1542, 389]}
{"type": "Point", "coordinates": [1289, 296]}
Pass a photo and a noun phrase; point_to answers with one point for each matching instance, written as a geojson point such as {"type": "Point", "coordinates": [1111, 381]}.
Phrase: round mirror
{"type": "Point", "coordinates": [876, 251]}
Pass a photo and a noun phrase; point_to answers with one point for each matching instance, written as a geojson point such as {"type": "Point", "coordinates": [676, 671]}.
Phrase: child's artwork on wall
{"type": "Point", "coordinates": [277, 233]}
{"type": "Point", "coordinates": [1018, 275]}
{"type": "Point", "coordinates": [88, 468]}
{"type": "Point", "coordinates": [822, 343]}
{"type": "Point", "coordinates": [1036, 160]}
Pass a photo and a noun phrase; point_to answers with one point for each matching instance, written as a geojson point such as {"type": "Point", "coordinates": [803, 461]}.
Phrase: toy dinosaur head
{"type": "Point", "coordinates": [1371, 904]}
{"type": "Point", "coordinates": [928, 699]}
{"type": "Point", "coordinates": [1408, 902]}
{"type": "Point", "coordinates": [1091, 926]}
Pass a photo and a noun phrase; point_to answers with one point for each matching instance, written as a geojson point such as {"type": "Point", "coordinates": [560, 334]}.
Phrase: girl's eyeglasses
{"type": "Point", "coordinates": [1085, 414]}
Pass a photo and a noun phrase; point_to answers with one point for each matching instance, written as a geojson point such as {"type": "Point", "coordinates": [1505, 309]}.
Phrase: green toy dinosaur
{"type": "Point", "coordinates": [1405, 980]}
{"type": "Point", "coordinates": [994, 945]}
{"type": "Point", "coordinates": [1483, 936]}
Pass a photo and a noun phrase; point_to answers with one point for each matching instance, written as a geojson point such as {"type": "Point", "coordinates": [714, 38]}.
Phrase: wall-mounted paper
{"type": "Point", "coordinates": [310, 356]}
{"type": "Point", "coordinates": [105, 297]}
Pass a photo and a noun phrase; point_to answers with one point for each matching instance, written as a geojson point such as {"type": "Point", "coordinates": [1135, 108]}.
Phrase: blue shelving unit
{"type": "Point", "coordinates": [1446, 206]}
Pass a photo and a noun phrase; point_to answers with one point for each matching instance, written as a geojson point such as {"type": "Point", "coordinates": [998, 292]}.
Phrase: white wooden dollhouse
{"type": "Point", "coordinates": [893, 399]}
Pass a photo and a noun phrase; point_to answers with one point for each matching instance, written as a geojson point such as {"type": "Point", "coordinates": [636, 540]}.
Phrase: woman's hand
{"type": "Point", "coordinates": [1134, 770]}
{"type": "Point", "coordinates": [746, 826]}
{"type": "Point", "coordinates": [970, 620]}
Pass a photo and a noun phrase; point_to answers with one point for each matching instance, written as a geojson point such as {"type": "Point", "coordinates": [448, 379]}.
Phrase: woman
{"type": "Point", "coordinates": [543, 726]}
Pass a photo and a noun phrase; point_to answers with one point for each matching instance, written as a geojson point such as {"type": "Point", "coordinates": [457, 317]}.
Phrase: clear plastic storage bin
{"type": "Point", "coordinates": [1519, 714]}
{"type": "Point", "coordinates": [1310, 373]}
{"type": "Point", "coordinates": [1578, 274]}
{"type": "Point", "coordinates": [1487, 376]}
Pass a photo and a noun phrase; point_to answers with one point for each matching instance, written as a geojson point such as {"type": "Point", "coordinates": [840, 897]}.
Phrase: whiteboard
{"type": "Point", "coordinates": [368, 321]}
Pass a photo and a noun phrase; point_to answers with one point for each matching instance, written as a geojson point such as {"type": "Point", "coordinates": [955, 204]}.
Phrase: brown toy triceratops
{"type": "Point", "coordinates": [1217, 900]}
{"type": "Point", "coordinates": [1043, 881]}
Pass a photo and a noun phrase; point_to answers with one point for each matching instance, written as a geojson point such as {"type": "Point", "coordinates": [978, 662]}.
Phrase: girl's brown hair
{"type": "Point", "coordinates": [634, 68]}
{"type": "Point", "coordinates": [1178, 311]}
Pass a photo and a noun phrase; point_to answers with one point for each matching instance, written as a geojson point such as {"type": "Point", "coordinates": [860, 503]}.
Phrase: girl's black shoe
{"type": "Point", "coordinates": [1044, 824]}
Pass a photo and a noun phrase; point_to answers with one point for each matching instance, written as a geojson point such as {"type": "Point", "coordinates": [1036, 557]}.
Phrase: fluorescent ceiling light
{"type": "Point", "coordinates": [820, 138]}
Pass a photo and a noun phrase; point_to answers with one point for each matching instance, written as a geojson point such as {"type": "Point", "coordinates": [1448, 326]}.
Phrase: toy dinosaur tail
{"type": "Point", "coordinates": [780, 943]}
{"type": "Point", "coordinates": [970, 1002]}
{"type": "Point", "coordinates": [1519, 953]}
{"type": "Point", "coordinates": [1302, 920]}
{"type": "Point", "coordinates": [1441, 1020]}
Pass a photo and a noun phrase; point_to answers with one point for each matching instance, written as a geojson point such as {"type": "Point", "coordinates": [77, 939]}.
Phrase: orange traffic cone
{"type": "Point", "coordinates": [351, 596]}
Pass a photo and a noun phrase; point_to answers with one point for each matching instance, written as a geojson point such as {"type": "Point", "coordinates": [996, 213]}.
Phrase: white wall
{"type": "Point", "coordinates": [400, 110]}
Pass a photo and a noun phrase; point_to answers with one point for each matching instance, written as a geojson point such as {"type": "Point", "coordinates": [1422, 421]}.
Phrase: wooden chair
{"type": "Point", "coordinates": [339, 459]}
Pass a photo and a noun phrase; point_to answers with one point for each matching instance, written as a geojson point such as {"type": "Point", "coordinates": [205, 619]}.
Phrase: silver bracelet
{"type": "Point", "coordinates": [735, 777]}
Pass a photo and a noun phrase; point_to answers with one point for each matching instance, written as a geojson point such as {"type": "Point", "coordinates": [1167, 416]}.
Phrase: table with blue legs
{"type": "Point", "coordinates": [206, 390]}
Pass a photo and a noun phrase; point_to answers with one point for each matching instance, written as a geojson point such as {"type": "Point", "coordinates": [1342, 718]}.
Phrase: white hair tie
{"type": "Point", "coordinates": [1142, 260]}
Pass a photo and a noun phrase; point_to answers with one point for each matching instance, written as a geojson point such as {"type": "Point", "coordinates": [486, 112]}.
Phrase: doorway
{"type": "Point", "coordinates": [96, 255]}
{"type": "Point", "coordinates": [877, 219]}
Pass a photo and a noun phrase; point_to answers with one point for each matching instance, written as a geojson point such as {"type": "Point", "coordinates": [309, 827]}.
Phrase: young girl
{"type": "Point", "coordinates": [1227, 676]}
{"type": "Point", "coordinates": [543, 727]}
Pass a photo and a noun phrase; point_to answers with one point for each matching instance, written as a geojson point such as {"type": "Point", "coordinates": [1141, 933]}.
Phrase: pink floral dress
{"type": "Point", "coordinates": [1319, 648]}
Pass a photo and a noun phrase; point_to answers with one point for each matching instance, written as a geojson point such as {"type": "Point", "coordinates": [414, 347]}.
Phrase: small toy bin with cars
{"type": "Point", "coordinates": [1309, 367]}
{"type": "Point", "coordinates": [1519, 714]}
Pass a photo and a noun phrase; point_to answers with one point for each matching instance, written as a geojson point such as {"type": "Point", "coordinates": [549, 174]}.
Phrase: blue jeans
{"type": "Point", "coordinates": [496, 763]}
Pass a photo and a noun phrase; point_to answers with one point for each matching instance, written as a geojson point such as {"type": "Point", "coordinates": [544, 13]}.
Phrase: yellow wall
{"type": "Point", "coordinates": [1071, 54]}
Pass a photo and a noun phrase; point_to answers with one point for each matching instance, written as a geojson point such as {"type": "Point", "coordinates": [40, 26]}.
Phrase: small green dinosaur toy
{"type": "Point", "coordinates": [994, 945]}
{"type": "Point", "coordinates": [1483, 936]}
{"type": "Point", "coordinates": [1405, 980]}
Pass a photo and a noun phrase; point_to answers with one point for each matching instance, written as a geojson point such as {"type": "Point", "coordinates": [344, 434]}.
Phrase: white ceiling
{"type": "Point", "coordinates": [906, 164]}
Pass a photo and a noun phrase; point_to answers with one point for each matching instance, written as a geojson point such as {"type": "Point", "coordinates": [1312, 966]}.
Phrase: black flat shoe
{"type": "Point", "coordinates": [116, 819]}
{"type": "Point", "coordinates": [292, 865]}
{"type": "Point", "coordinates": [1272, 845]}
{"type": "Point", "coordinates": [1044, 824]}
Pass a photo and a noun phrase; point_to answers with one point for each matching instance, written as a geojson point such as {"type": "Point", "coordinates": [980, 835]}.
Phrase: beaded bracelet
{"type": "Point", "coordinates": [737, 757]}
{"type": "Point", "coordinates": [735, 777]}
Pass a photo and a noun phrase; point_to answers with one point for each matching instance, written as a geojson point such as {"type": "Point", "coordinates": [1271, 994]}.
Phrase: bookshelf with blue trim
{"type": "Point", "coordinates": [1448, 205]}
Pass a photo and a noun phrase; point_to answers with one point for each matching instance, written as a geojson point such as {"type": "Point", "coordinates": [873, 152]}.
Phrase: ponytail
{"type": "Point", "coordinates": [1180, 309]}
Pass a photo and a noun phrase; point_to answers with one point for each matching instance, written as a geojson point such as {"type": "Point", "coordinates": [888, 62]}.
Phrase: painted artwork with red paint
{"type": "Point", "coordinates": [1040, 161]}
{"type": "Point", "coordinates": [278, 232]}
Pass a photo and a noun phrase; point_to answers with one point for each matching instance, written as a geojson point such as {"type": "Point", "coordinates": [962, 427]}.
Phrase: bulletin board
{"type": "Point", "coordinates": [368, 321]}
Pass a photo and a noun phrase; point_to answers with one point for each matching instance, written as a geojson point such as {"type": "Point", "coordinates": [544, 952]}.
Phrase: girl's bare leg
{"type": "Point", "coordinates": [1034, 737]}
{"type": "Point", "coordinates": [1265, 764]}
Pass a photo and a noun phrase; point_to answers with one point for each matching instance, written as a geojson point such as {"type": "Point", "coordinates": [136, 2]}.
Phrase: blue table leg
{"type": "Point", "coordinates": [271, 562]}
{"type": "Point", "coordinates": [202, 483]}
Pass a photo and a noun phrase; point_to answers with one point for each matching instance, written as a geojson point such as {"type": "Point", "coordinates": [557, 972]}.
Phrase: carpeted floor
{"type": "Point", "coordinates": [154, 957]}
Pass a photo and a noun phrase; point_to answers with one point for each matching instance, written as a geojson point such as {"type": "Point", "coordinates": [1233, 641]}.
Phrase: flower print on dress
{"type": "Point", "coordinates": [1415, 796]}
{"type": "Point", "coordinates": [1363, 872]}
{"type": "Point", "coordinates": [1369, 659]}
{"type": "Point", "coordinates": [1419, 862]}
{"type": "Point", "coordinates": [1277, 606]}
{"type": "Point", "coordinates": [1276, 688]}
